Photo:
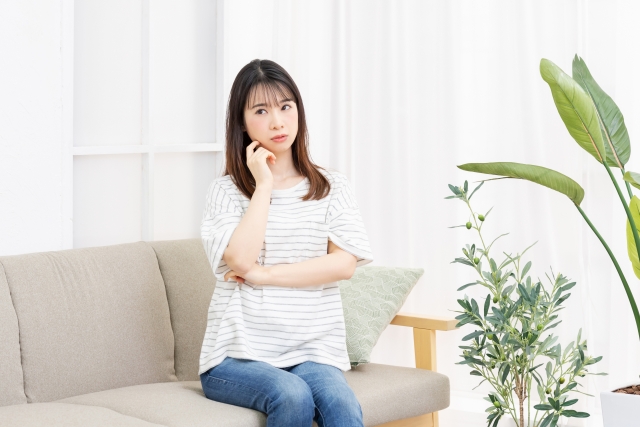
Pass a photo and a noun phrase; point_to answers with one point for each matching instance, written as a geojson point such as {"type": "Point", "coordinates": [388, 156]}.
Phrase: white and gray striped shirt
{"type": "Point", "coordinates": [283, 326]}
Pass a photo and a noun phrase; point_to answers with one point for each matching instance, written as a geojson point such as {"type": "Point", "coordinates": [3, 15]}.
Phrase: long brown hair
{"type": "Point", "coordinates": [274, 80]}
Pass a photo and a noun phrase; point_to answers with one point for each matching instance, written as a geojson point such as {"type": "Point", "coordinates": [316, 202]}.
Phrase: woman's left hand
{"type": "Point", "coordinates": [257, 275]}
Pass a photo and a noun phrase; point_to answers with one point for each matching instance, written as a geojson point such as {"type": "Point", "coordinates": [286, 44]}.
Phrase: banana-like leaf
{"type": "Point", "coordinates": [632, 178]}
{"type": "Point", "coordinates": [616, 137]}
{"type": "Point", "coordinates": [538, 174]}
{"type": "Point", "coordinates": [576, 109]}
{"type": "Point", "coordinates": [634, 207]}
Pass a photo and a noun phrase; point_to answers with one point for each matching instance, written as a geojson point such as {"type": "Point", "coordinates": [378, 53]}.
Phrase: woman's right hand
{"type": "Point", "coordinates": [257, 163]}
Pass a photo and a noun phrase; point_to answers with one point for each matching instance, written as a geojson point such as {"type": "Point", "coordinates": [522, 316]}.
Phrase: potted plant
{"type": "Point", "coordinates": [597, 125]}
{"type": "Point", "coordinates": [512, 346]}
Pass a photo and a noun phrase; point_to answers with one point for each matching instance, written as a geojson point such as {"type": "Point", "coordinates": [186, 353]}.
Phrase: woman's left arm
{"type": "Point", "coordinates": [336, 265]}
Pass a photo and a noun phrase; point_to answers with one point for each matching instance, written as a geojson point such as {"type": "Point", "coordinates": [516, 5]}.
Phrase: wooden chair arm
{"type": "Point", "coordinates": [424, 341]}
{"type": "Point", "coordinates": [424, 322]}
{"type": "Point", "coordinates": [424, 335]}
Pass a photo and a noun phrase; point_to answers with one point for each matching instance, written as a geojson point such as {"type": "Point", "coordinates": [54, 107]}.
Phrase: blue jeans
{"type": "Point", "coordinates": [290, 397]}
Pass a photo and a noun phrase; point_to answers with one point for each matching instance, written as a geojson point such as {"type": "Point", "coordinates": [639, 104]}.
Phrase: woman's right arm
{"type": "Point", "coordinates": [247, 239]}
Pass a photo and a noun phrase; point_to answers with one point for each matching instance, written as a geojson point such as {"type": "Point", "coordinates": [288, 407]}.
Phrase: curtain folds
{"type": "Point", "coordinates": [397, 93]}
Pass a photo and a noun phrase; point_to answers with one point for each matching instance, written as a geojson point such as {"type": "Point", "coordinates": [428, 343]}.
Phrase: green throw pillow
{"type": "Point", "coordinates": [370, 300]}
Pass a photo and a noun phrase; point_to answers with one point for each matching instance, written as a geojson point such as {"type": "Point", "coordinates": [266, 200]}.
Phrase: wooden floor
{"type": "Point", "coordinates": [421, 421]}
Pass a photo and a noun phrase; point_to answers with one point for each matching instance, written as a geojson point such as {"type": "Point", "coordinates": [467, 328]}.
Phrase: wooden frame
{"type": "Point", "coordinates": [424, 340]}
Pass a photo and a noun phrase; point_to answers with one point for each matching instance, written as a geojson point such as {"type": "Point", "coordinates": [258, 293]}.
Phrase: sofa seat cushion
{"type": "Point", "coordinates": [177, 403]}
{"type": "Point", "coordinates": [386, 393]}
{"type": "Point", "coordinates": [55, 414]}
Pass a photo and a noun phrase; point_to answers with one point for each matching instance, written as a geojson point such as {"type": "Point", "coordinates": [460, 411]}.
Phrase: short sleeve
{"type": "Point", "coordinates": [346, 228]}
{"type": "Point", "coordinates": [220, 218]}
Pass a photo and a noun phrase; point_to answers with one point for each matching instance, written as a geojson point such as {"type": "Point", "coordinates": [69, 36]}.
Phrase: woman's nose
{"type": "Point", "coordinates": [276, 120]}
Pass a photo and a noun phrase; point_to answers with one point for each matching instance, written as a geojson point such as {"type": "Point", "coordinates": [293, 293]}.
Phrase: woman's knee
{"type": "Point", "coordinates": [293, 396]}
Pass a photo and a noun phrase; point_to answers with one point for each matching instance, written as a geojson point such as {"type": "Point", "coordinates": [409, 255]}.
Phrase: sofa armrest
{"type": "Point", "coordinates": [424, 335]}
{"type": "Point", "coordinates": [424, 322]}
{"type": "Point", "coordinates": [424, 342]}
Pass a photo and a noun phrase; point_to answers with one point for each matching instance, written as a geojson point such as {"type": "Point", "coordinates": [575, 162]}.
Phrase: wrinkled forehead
{"type": "Point", "coordinates": [268, 95]}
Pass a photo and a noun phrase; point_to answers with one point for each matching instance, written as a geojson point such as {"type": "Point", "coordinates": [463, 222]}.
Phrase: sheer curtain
{"type": "Point", "coordinates": [397, 93]}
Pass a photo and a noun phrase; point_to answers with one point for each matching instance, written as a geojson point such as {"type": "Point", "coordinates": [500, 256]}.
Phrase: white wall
{"type": "Point", "coordinates": [31, 139]}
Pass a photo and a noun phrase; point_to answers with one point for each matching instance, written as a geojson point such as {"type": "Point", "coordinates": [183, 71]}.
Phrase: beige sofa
{"type": "Point", "coordinates": [111, 336]}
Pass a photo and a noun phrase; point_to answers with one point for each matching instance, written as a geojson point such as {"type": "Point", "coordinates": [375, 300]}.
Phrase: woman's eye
{"type": "Point", "coordinates": [285, 105]}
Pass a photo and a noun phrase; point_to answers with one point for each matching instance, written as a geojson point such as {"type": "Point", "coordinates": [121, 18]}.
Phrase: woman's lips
{"type": "Point", "coordinates": [280, 139]}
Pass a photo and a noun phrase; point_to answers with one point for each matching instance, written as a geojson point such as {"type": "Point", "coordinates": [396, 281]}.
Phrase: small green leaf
{"type": "Point", "coordinates": [505, 368]}
{"type": "Point", "coordinates": [487, 302]}
{"type": "Point", "coordinates": [547, 420]}
{"type": "Point", "coordinates": [467, 285]}
{"type": "Point", "coordinates": [575, 414]}
{"type": "Point", "coordinates": [472, 335]}
{"type": "Point", "coordinates": [526, 268]}
{"type": "Point", "coordinates": [632, 178]}
{"type": "Point", "coordinates": [543, 407]}
{"type": "Point", "coordinates": [569, 402]}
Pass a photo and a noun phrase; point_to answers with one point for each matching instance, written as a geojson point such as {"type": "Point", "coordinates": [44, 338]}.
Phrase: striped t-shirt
{"type": "Point", "coordinates": [283, 326]}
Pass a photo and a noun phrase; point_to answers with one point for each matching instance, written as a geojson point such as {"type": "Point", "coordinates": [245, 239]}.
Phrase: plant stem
{"type": "Point", "coordinates": [627, 184]}
{"type": "Point", "coordinates": [632, 300]}
{"type": "Point", "coordinates": [629, 190]}
{"type": "Point", "coordinates": [634, 229]}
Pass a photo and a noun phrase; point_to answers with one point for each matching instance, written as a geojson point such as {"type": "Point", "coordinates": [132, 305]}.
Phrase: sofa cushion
{"type": "Point", "coordinates": [370, 299]}
{"type": "Point", "coordinates": [386, 393]}
{"type": "Point", "coordinates": [90, 319]}
{"type": "Point", "coordinates": [190, 283]}
{"type": "Point", "coordinates": [66, 415]}
{"type": "Point", "coordinates": [11, 385]}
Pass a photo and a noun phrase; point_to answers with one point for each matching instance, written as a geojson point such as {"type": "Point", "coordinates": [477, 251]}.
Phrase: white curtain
{"type": "Point", "coordinates": [397, 93]}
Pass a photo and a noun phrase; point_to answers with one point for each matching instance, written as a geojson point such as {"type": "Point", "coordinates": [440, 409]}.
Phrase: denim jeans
{"type": "Point", "coordinates": [290, 397]}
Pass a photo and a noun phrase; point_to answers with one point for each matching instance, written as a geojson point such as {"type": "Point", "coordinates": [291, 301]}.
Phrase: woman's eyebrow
{"type": "Point", "coordinates": [264, 105]}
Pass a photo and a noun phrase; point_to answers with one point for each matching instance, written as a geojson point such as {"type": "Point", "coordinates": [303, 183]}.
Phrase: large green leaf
{"type": "Point", "coordinates": [538, 174]}
{"type": "Point", "coordinates": [616, 137]}
{"type": "Point", "coordinates": [576, 109]}
{"type": "Point", "coordinates": [634, 207]}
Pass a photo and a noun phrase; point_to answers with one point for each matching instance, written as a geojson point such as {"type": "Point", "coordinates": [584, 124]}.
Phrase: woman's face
{"type": "Point", "coordinates": [264, 122]}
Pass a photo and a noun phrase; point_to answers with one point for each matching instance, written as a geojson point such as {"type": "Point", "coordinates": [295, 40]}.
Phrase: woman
{"type": "Point", "coordinates": [279, 232]}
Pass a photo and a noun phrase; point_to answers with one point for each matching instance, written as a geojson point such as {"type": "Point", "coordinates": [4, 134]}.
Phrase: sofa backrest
{"type": "Point", "coordinates": [11, 386]}
{"type": "Point", "coordinates": [90, 319]}
{"type": "Point", "coordinates": [190, 283]}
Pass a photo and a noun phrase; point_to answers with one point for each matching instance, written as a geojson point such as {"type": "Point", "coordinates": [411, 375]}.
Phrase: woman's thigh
{"type": "Point", "coordinates": [259, 386]}
{"type": "Point", "coordinates": [335, 401]}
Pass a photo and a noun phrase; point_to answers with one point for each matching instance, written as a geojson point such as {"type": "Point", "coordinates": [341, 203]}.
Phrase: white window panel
{"type": "Point", "coordinates": [107, 200]}
{"type": "Point", "coordinates": [182, 69]}
{"type": "Point", "coordinates": [146, 117]}
{"type": "Point", "coordinates": [107, 97]}
{"type": "Point", "coordinates": [180, 190]}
